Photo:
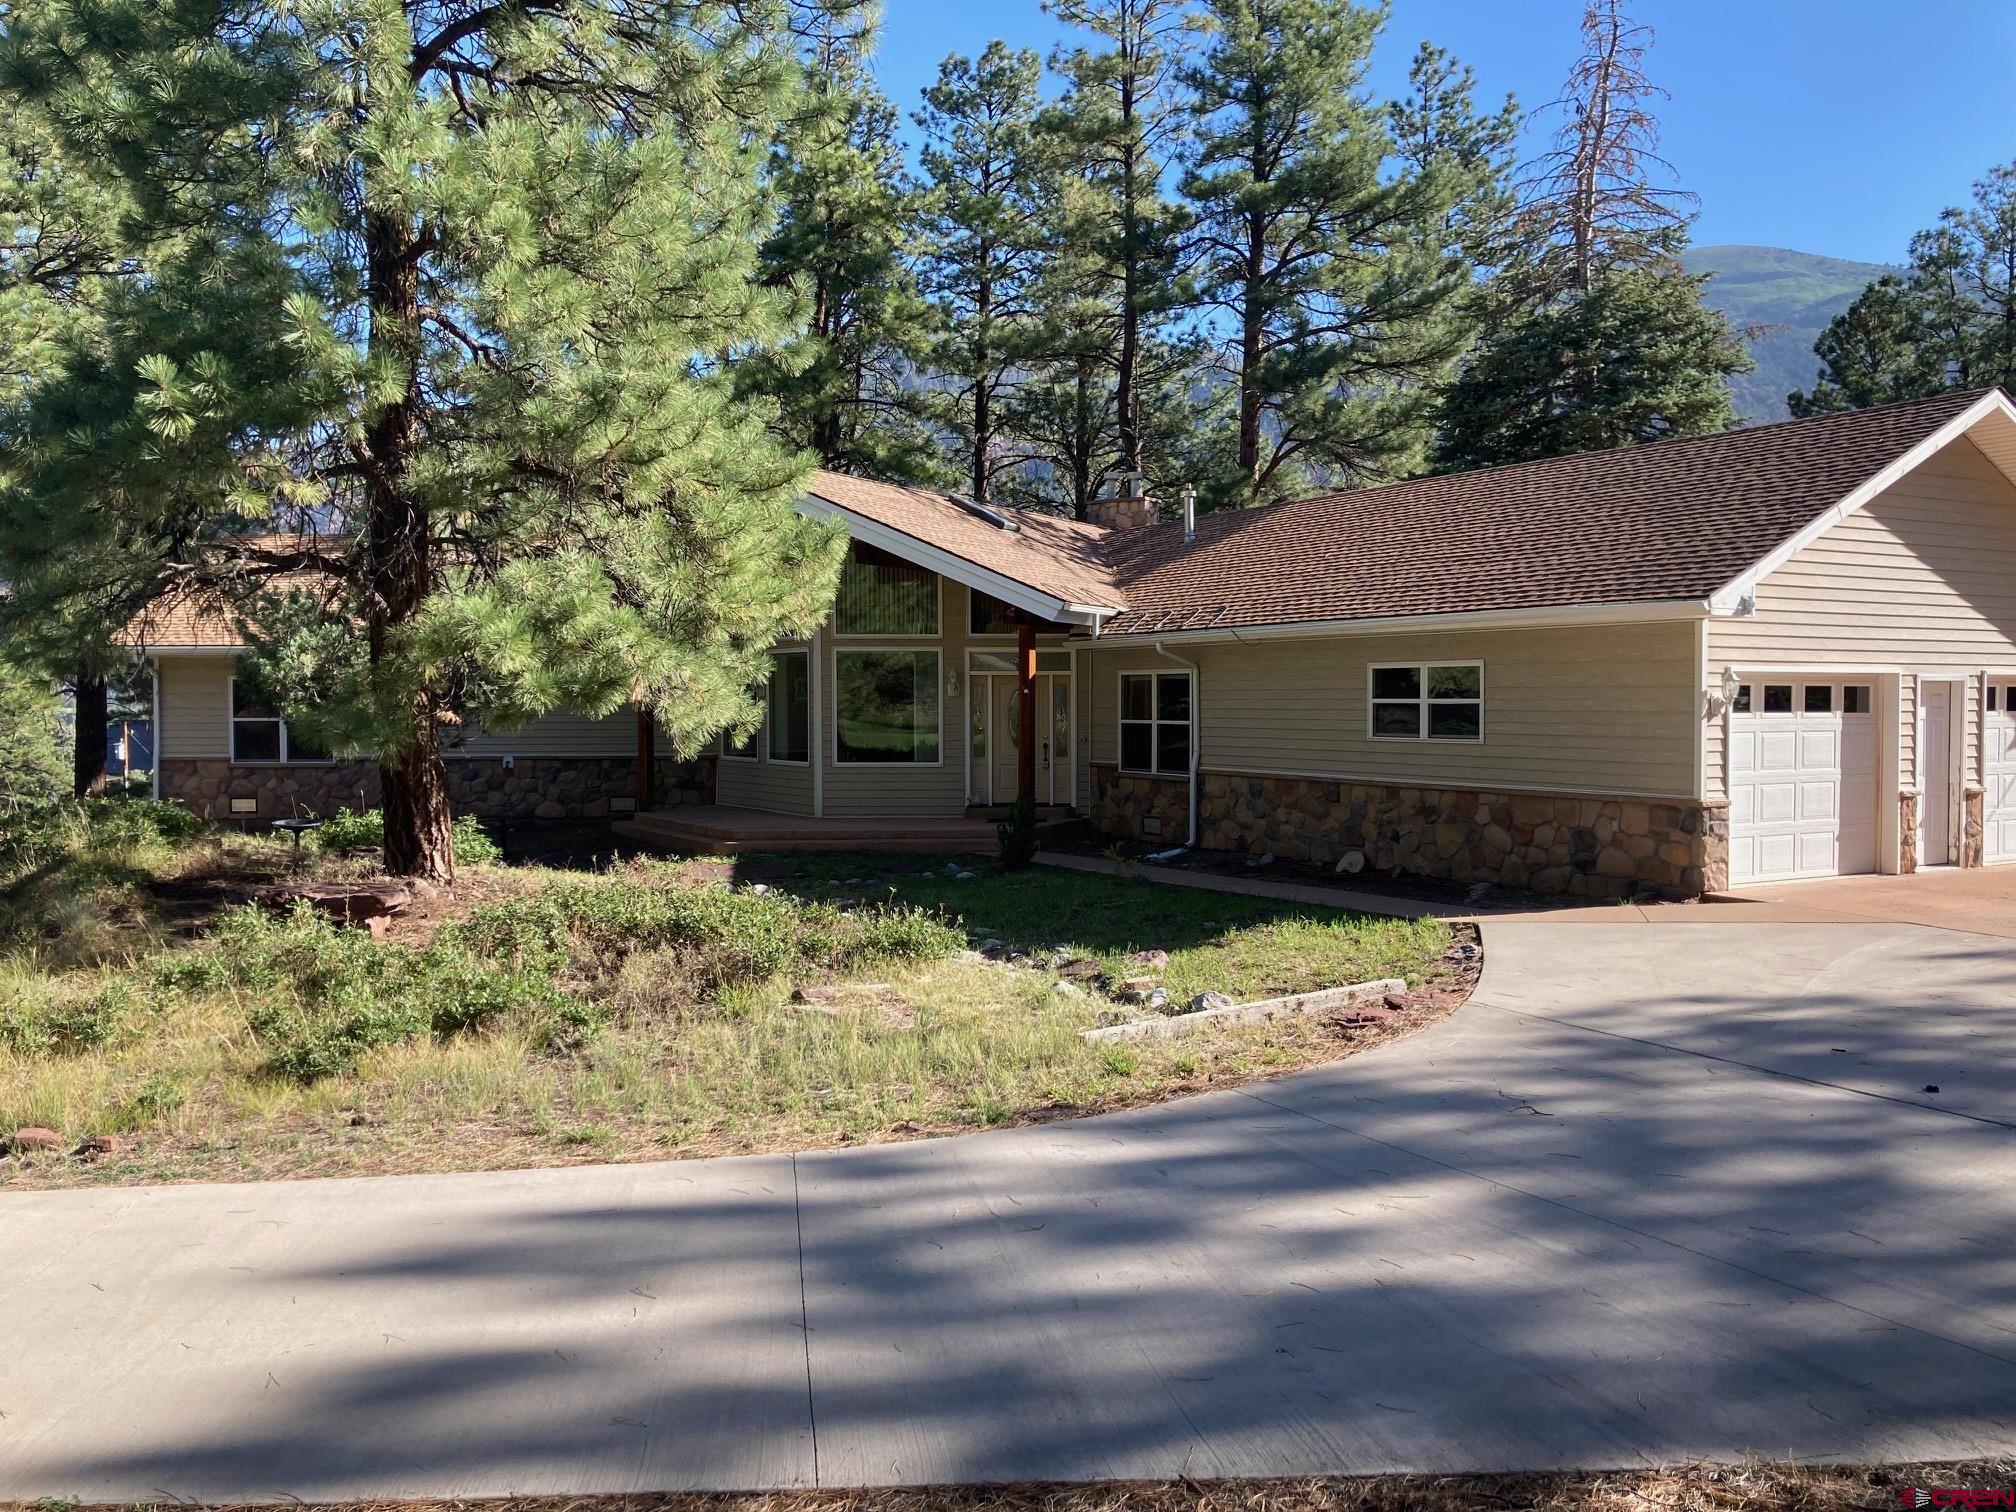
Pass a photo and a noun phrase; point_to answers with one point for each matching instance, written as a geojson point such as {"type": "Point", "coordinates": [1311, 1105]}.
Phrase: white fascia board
{"type": "Point", "coordinates": [1560, 616]}
{"type": "Point", "coordinates": [950, 564]}
{"type": "Point", "coordinates": [1730, 596]}
{"type": "Point", "coordinates": [159, 648]}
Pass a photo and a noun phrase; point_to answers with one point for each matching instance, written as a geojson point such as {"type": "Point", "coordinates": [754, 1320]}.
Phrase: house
{"type": "Point", "coordinates": [1781, 652]}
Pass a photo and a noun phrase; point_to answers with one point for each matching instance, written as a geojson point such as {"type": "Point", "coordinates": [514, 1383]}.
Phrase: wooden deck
{"type": "Point", "coordinates": [717, 829]}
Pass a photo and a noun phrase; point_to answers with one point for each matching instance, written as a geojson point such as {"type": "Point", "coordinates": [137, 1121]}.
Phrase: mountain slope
{"type": "Point", "coordinates": [1795, 294]}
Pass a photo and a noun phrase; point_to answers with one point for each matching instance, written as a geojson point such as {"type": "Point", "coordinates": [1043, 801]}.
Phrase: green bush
{"type": "Point", "coordinates": [1019, 835]}
{"type": "Point", "coordinates": [322, 995]}
{"type": "Point", "coordinates": [357, 829]}
{"type": "Point", "coordinates": [69, 1027]}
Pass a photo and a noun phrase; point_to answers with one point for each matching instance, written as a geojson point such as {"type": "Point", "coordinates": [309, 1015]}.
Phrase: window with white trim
{"type": "Point", "coordinates": [881, 594]}
{"type": "Point", "coordinates": [259, 735]}
{"type": "Point", "coordinates": [1155, 723]}
{"type": "Point", "coordinates": [788, 707]}
{"type": "Point", "coordinates": [1427, 701]}
{"type": "Point", "coordinates": [885, 707]}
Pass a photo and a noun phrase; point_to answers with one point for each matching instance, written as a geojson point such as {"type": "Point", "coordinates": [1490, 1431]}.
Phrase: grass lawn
{"type": "Point", "coordinates": [539, 1016]}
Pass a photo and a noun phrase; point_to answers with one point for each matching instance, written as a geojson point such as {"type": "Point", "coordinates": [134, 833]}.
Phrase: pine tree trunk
{"type": "Point", "coordinates": [88, 755]}
{"type": "Point", "coordinates": [415, 784]}
{"type": "Point", "coordinates": [1251, 327]}
{"type": "Point", "coordinates": [1129, 410]}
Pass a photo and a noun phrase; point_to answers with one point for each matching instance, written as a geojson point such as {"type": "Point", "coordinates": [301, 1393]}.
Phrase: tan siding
{"type": "Point", "coordinates": [855, 790]}
{"type": "Point", "coordinates": [779, 787]}
{"type": "Point", "coordinates": [1921, 580]}
{"type": "Point", "coordinates": [195, 707]}
{"type": "Point", "coordinates": [1597, 710]}
{"type": "Point", "coordinates": [557, 735]}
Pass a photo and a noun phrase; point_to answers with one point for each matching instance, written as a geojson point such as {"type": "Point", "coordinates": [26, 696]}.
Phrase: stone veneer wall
{"type": "Point", "coordinates": [1974, 826]}
{"type": "Point", "coordinates": [1140, 808]}
{"type": "Point", "coordinates": [1587, 847]}
{"type": "Point", "coordinates": [532, 788]}
{"type": "Point", "coordinates": [1907, 834]}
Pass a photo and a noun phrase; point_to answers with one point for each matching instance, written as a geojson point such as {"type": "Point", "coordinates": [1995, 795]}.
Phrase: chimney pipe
{"type": "Point", "coordinates": [1189, 514]}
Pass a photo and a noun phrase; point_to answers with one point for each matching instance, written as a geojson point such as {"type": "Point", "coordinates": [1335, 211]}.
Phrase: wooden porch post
{"type": "Point", "coordinates": [645, 778]}
{"type": "Point", "coordinates": [1025, 672]}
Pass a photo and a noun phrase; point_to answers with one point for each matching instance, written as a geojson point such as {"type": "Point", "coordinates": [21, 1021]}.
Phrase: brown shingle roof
{"type": "Point", "coordinates": [1670, 520]}
{"type": "Point", "coordinates": [1063, 558]}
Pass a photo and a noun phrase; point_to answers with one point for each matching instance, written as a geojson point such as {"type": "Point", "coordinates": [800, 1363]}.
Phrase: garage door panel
{"type": "Point", "coordinates": [1775, 801]}
{"type": "Point", "coordinates": [1802, 791]}
{"type": "Point", "coordinates": [1820, 802]}
{"type": "Point", "coordinates": [1998, 838]}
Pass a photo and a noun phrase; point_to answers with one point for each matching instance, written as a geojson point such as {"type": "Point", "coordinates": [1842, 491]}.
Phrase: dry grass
{"type": "Point", "coordinates": [677, 1070]}
{"type": "Point", "coordinates": [1758, 1486]}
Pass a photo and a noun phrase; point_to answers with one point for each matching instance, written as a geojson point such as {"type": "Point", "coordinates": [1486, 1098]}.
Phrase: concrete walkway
{"type": "Point", "coordinates": [1656, 1193]}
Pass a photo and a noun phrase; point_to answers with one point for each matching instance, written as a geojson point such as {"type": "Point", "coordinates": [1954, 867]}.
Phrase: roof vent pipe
{"type": "Point", "coordinates": [1189, 514]}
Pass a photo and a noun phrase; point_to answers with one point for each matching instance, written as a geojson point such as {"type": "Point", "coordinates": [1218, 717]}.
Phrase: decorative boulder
{"type": "Point", "coordinates": [35, 1140]}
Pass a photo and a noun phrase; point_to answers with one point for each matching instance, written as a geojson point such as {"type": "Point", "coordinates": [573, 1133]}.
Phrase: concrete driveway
{"type": "Point", "coordinates": [1656, 1193]}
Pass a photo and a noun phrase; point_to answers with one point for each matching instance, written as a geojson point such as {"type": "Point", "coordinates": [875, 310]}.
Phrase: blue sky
{"type": "Point", "coordinates": [1836, 127]}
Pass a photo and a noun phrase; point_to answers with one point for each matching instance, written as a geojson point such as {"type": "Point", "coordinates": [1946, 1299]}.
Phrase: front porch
{"type": "Point", "coordinates": [723, 829]}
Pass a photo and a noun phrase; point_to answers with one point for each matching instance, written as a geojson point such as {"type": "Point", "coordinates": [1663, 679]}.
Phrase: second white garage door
{"type": "Point", "coordinates": [1802, 780]}
{"type": "Point", "coordinates": [1998, 765]}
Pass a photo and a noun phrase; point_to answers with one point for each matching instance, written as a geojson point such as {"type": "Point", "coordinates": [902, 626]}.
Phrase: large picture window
{"type": "Point", "coordinates": [881, 594]}
{"type": "Point", "coordinates": [1428, 701]}
{"type": "Point", "coordinates": [886, 707]}
{"type": "Point", "coordinates": [1155, 723]}
{"type": "Point", "coordinates": [259, 734]}
{"type": "Point", "coordinates": [790, 706]}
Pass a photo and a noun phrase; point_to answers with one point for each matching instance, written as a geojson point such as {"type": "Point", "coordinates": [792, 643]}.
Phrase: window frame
{"type": "Point", "coordinates": [286, 756]}
{"type": "Point", "coordinates": [1154, 722]}
{"type": "Point", "coordinates": [937, 630]}
{"type": "Point", "coordinates": [899, 648]}
{"type": "Point", "coordinates": [1423, 703]}
{"type": "Point", "coordinates": [769, 747]}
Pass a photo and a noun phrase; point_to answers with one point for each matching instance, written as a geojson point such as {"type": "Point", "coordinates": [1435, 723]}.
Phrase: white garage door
{"type": "Point", "coordinates": [1802, 780]}
{"type": "Point", "coordinates": [1998, 721]}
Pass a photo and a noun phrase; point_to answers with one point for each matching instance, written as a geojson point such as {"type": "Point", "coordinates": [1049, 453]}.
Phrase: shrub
{"type": "Point", "coordinates": [1018, 835]}
{"type": "Point", "coordinates": [358, 829]}
{"type": "Point", "coordinates": [67, 1027]}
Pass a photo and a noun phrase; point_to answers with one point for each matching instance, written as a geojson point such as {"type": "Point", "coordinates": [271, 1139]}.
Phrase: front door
{"type": "Point", "coordinates": [1003, 742]}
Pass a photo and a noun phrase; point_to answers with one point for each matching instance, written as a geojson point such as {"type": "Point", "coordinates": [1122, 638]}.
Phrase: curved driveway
{"type": "Point", "coordinates": [1657, 1192]}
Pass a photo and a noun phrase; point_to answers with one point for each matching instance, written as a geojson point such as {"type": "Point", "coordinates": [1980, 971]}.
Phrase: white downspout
{"type": "Point", "coordinates": [154, 776]}
{"type": "Point", "coordinates": [1196, 737]}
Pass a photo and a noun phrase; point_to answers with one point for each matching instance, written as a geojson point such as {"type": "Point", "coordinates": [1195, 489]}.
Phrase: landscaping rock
{"type": "Point", "coordinates": [1205, 1002]}
{"type": "Point", "coordinates": [1078, 968]}
{"type": "Point", "coordinates": [102, 1144]}
{"type": "Point", "coordinates": [815, 996]}
{"type": "Point", "coordinates": [1154, 960]}
{"type": "Point", "coordinates": [35, 1140]}
{"type": "Point", "coordinates": [366, 903]}
{"type": "Point", "coordinates": [1067, 989]}
{"type": "Point", "coordinates": [1136, 989]}
{"type": "Point", "coordinates": [1351, 861]}
{"type": "Point", "coordinates": [1397, 1002]}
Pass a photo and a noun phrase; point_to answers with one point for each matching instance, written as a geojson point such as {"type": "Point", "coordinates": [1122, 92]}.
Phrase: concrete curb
{"type": "Point", "coordinates": [1319, 1001]}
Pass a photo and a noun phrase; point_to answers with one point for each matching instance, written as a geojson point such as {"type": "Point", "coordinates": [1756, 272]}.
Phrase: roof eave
{"type": "Point", "coordinates": [1024, 596]}
{"type": "Point", "coordinates": [1538, 617]}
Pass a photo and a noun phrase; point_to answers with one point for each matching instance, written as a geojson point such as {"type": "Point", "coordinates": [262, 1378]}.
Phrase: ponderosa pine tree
{"type": "Point", "coordinates": [1596, 337]}
{"type": "Point", "coordinates": [1948, 321]}
{"type": "Point", "coordinates": [1323, 255]}
{"type": "Point", "coordinates": [58, 258]}
{"type": "Point", "coordinates": [1119, 125]}
{"type": "Point", "coordinates": [989, 179]}
{"type": "Point", "coordinates": [849, 394]}
{"type": "Point", "coordinates": [426, 377]}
